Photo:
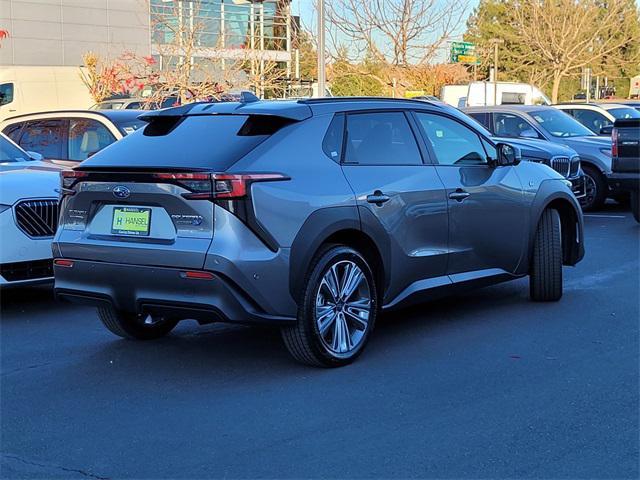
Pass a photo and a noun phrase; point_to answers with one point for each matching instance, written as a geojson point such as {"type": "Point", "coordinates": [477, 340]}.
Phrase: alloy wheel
{"type": "Point", "coordinates": [591, 191]}
{"type": "Point", "coordinates": [342, 307]}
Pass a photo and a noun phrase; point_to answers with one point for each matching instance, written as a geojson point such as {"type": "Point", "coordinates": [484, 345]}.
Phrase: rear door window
{"type": "Point", "coordinates": [483, 119]}
{"type": "Point", "coordinates": [45, 137]}
{"type": "Point", "coordinates": [199, 141]}
{"type": "Point", "coordinates": [381, 138]}
{"type": "Point", "coordinates": [591, 119]}
{"type": "Point", "coordinates": [86, 137]}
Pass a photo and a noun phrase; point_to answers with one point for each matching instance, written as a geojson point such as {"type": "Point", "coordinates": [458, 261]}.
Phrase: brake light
{"type": "Point", "coordinates": [214, 186]}
{"type": "Point", "coordinates": [68, 178]}
{"type": "Point", "coordinates": [614, 142]}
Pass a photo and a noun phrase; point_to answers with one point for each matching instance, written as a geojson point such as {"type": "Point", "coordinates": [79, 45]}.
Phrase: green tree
{"type": "Point", "coordinates": [549, 42]}
{"type": "Point", "coordinates": [357, 79]}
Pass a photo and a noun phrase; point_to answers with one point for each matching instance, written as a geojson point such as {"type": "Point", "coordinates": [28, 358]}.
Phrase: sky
{"type": "Point", "coordinates": [305, 9]}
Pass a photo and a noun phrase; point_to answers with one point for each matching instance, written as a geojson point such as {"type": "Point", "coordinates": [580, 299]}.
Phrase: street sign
{"type": "Point", "coordinates": [464, 52]}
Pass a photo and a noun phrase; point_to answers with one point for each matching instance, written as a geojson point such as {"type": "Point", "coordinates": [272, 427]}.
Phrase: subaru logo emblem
{"type": "Point", "coordinates": [121, 192]}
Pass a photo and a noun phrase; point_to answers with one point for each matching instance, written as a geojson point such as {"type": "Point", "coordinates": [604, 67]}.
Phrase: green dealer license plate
{"type": "Point", "coordinates": [131, 221]}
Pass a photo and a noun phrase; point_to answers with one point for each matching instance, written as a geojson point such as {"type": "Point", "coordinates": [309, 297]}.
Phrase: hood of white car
{"type": "Point", "coordinates": [31, 179]}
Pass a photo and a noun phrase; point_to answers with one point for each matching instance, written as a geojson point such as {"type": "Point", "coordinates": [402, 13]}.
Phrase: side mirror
{"type": "Point", "coordinates": [35, 155]}
{"type": "Point", "coordinates": [508, 155]}
{"type": "Point", "coordinates": [606, 130]}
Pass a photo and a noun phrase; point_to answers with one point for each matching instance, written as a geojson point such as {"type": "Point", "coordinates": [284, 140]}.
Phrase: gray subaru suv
{"type": "Point", "coordinates": [314, 216]}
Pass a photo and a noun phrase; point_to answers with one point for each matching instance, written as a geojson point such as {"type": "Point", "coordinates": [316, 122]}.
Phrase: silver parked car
{"type": "Point", "coordinates": [313, 216]}
{"type": "Point", "coordinates": [550, 124]}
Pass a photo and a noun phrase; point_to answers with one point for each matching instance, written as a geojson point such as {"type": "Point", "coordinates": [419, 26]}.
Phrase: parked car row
{"type": "Point", "coordinates": [554, 126]}
{"type": "Point", "coordinates": [69, 137]}
{"type": "Point", "coordinates": [207, 211]}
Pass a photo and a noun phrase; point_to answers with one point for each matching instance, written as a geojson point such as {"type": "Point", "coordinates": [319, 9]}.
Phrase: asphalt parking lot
{"type": "Point", "coordinates": [486, 385]}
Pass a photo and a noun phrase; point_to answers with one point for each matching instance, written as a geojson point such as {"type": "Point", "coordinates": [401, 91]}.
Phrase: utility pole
{"type": "Point", "coordinates": [495, 42]}
{"type": "Point", "coordinates": [322, 80]}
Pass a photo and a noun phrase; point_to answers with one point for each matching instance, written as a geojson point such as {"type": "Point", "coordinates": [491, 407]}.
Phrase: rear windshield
{"type": "Point", "coordinates": [203, 142]}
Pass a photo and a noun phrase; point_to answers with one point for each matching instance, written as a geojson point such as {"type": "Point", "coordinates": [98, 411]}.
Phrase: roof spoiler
{"type": "Point", "coordinates": [243, 97]}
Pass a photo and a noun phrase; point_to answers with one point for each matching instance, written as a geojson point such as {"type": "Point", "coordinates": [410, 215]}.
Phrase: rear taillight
{"type": "Point", "coordinates": [68, 178]}
{"type": "Point", "coordinates": [215, 186]}
{"type": "Point", "coordinates": [197, 183]}
{"type": "Point", "coordinates": [614, 142]}
{"type": "Point", "coordinates": [236, 186]}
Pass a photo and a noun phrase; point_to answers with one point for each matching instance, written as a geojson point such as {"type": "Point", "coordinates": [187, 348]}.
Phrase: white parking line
{"type": "Point", "coordinates": [603, 216]}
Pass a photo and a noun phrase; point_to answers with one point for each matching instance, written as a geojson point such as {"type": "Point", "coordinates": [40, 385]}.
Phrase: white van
{"type": "Point", "coordinates": [480, 94]}
{"type": "Point", "coordinates": [35, 89]}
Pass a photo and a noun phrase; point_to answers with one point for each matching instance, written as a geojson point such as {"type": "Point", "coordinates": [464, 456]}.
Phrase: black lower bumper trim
{"type": "Point", "coordinates": [160, 291]}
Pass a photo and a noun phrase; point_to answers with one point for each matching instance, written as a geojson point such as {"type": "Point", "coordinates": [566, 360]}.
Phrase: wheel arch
{"type": "Point", "coordinates": [570, 220]}
{"type": "Point", "coordinates": [334, 225]}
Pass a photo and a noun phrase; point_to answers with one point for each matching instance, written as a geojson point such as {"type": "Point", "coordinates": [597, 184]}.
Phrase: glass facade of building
{"type": "Point", "coordinates": [221, 24]}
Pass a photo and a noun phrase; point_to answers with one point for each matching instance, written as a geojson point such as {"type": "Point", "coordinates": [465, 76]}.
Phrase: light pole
{"type": "Point", "coordinates": [322, 80]}
{"type": "Point", "coordinates": [495, 42]}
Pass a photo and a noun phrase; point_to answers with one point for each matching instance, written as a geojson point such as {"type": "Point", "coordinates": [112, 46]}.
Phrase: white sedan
{"type": "Point", "coordinates": [28, 215]}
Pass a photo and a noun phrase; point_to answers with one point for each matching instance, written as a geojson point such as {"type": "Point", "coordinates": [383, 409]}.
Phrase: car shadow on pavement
{"type": "Point", "coordinates": [25, 299]}
{"type": "Point", "coordinates": [218, 352]}
{"type": "Point", "coordinates": [226, 351]}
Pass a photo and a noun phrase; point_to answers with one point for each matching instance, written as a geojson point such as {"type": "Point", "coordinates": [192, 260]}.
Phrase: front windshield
{"type": "Point", "coordinates": [559, 124]}
{"type": "Point", "coordinates": [9, 152]}
{"type": "Point", "coordinates": [626, 112]}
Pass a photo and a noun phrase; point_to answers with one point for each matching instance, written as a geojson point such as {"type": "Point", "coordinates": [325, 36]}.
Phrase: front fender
{"type": "Point", "coordinates": [554, 193]}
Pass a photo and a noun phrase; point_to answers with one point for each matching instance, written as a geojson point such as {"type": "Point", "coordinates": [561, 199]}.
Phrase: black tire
{"type": "Point", "coordinates": [545, 280]}
{"type": "Point", "coordinates": [635, 205]}
{"type": "Point", "coordinates": [304, 340]}
{"type": "Point", "coordinates": [597, 189]}
{"type": "Point", "coordinates": [129, 325]}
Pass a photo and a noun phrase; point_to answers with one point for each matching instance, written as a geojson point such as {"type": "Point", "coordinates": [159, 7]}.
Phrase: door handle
{"type": "Point", "coordinates": [459, 195]}
{"type": "Point", "coordinates": [378, 198]}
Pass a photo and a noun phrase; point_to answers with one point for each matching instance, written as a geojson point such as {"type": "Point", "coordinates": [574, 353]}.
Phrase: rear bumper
{"type": "Point", "coordinates": [159, 290]}
{"type": "Point", "coordinates": [624, 181]}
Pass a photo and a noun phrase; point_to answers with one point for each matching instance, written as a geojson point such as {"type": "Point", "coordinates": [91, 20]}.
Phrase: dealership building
{"type": "Point", "coordinates": [60, 32]}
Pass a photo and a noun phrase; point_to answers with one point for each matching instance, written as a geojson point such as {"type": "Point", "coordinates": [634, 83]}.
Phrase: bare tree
{"type": "Point", "coordinates": [193, 60]}
{"type": "Point", "coordinates": [197, 69]}
{"type": "Point", "coordinates": [401, 32]}
{"type": "Point", "coordinates": [567, 35]}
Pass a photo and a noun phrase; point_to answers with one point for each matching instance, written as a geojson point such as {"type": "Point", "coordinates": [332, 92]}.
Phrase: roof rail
{"type": "Point", "coordinates": [313, 101]}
